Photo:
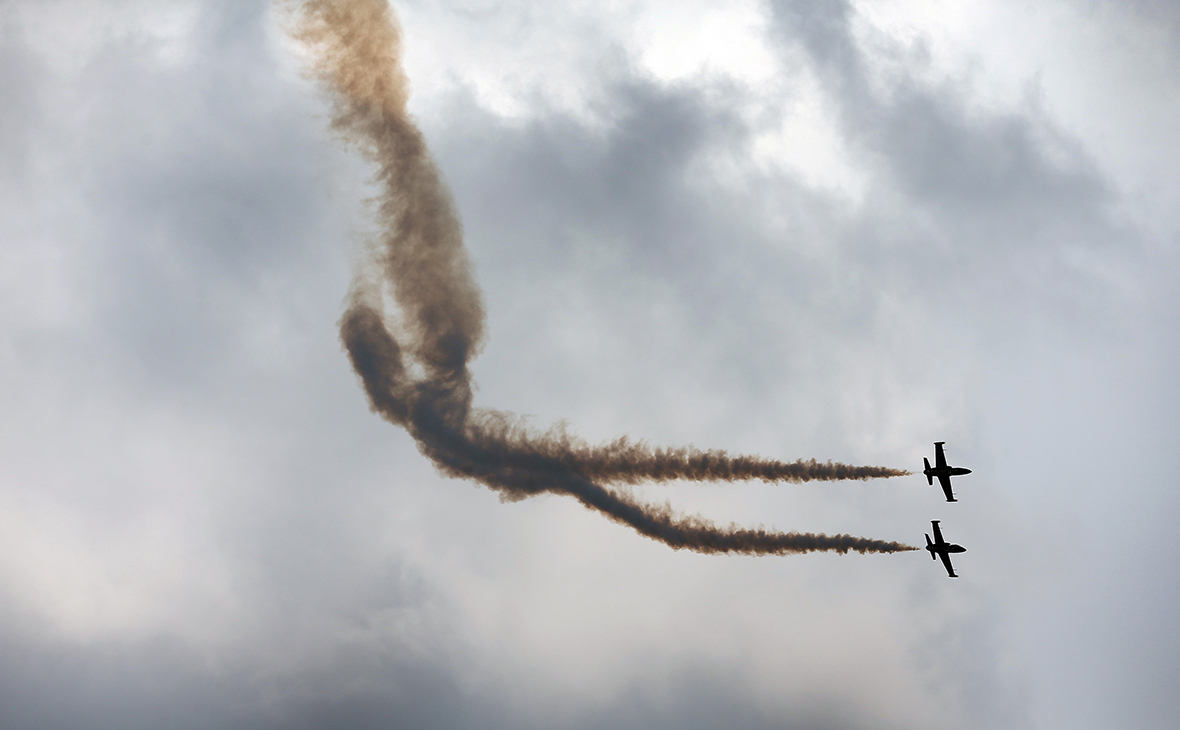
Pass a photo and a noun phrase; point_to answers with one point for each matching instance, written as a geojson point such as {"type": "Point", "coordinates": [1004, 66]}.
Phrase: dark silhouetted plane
{"type": "Point", "coordinates": [942, 471]}
{"type": "Point", "coordinates": [943, 549]}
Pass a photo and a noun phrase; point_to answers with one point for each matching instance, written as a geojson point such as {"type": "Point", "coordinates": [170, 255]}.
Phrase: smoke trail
{"type": "Point", "coordinates": [418, 378]}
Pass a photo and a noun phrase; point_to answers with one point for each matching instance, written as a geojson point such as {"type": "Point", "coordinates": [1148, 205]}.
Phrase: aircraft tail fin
{"type": "Point", "coordinates": [929, 476]}
{"type": "Point", "coordinates": [930, 545]}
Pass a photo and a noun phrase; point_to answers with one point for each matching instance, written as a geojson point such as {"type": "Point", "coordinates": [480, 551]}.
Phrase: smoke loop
{"type": "Point", "coordinates": [355, 47]}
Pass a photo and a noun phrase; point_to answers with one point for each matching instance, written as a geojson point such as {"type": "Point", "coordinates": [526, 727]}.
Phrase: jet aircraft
{"type": "Point", "coordinates": [942, 549]}
{"type": "Point", "coordinates": [942, 471]}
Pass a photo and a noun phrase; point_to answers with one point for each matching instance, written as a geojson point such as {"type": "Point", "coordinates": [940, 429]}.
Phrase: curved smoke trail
{"type": "Point", "coordinates": [422, 264]}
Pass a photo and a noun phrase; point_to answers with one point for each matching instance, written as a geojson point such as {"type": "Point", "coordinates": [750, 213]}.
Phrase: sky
{"type": "Point", "coordinates": [828, 230]}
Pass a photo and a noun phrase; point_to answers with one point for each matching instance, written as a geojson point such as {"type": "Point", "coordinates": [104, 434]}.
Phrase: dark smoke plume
{"type": "Point", "coordinates": [414, 367]}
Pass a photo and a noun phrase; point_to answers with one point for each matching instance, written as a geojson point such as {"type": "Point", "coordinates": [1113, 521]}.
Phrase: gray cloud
{"type": "Point", "coordinates": [201, 522]}
{"type": "Point", "coordinates": [1007, 196]}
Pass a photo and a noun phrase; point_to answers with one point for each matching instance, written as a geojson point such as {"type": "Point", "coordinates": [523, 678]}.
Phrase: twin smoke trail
{"type": "Point", "coordinates": [415, 374]}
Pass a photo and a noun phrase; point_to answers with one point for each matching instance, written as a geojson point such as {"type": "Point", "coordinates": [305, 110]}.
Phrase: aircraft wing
{"type": "Point", "coordinates": [946, 561]}
{"type": "Point", "coordinates": [937, 533]}
{"type": "Point", "coordinates": [939, 457]}
{"type": "Point", "coordinates": [945, 481]}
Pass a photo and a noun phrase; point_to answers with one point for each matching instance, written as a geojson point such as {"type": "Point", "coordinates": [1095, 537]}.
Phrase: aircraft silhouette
{"type": "Point", "coordinates": [942, 471]}
{"type": "Point", "coordinates": [942, 549]}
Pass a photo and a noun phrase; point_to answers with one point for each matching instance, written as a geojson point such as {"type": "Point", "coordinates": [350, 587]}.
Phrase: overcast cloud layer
{"type": "Point", "coordinates": [802, 230]}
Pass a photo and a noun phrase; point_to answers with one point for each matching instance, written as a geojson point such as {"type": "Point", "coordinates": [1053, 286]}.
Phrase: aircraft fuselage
{"type": "Point", "coordinates": [945, 471]}
{"type": "Point", "coordinates": [948, 547]}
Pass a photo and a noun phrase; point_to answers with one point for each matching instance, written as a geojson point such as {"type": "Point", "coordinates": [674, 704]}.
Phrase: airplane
{"type": "Point", "coordinates": [942, 471]}
{"type": "Point", "coordinates": [943, 549]}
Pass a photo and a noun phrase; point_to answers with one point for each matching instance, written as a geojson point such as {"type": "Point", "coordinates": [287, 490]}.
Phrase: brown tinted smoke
{"type": "Point", "coordinates": [414, 366]}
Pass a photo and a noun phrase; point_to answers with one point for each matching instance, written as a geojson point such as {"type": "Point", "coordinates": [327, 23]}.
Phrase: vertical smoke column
{"type": "Point", "coordinates": [356, 47]}
{"type": "Point", "coordinates": [415, 373]}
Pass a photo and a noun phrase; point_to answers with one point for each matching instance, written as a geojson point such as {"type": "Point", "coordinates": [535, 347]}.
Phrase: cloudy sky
{"type": "Point", "coordinates": [799, 229]}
